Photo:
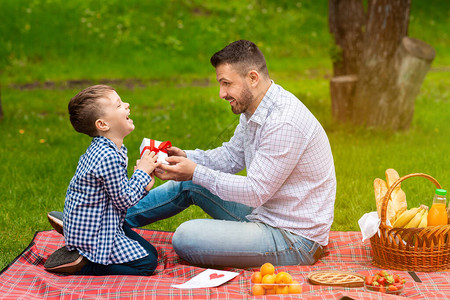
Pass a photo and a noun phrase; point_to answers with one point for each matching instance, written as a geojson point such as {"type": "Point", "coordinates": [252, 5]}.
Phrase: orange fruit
{"type": "Point", "coordinates": [282, 289]}
{"type": "Point", "coordinates": [295, 287]}
{"type": "Point", "coordinates": [256, 277]}
{"type": "Point", "coordinates": [258, 290]}
{"type": "Point", "coordinates": [268, 280]}
{"type": "Point", "coordinates": [283, 278]}
{"type": "Point", "coordinates": [271, 292]}
{"type": "Point", "coordinates": [267, 268]}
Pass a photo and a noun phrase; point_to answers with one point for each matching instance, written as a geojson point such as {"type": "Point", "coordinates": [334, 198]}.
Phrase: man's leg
{"type": "Point", "coordinates": [170, 199]}
{"type": "Point", "coordinates": [230, 239]}
{"type": "Point", "coordinates": [241, 244]}
{"type": "Point", "coordinates": [221, 242]}
{"type": "Point", "coordinates": [173, 197]}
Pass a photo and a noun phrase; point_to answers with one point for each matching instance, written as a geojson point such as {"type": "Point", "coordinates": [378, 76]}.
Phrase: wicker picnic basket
{"type": "Point", "coordinates": [413, 249]}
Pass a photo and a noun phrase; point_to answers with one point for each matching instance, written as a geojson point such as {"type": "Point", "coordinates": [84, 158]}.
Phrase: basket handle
{"type": "Point", "coordinates": [397, 182]}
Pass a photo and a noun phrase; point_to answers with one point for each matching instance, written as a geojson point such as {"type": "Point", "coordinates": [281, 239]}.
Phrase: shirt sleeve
{"type": "Point", "coordinates": [122, 191]}
{"type": "Point", "coordinates": [280, 148]}
{"type": "Point", "coordinates": [229, 158]}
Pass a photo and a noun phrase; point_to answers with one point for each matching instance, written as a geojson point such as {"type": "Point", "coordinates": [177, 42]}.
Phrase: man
{"type": "Point", "coordinates": [282, 210]}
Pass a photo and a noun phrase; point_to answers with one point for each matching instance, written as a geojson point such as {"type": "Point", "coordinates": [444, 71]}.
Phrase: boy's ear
{"type": "Point", "coordinates": [101, 125]}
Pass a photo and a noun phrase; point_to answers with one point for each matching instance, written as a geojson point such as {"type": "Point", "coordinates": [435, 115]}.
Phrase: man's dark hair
{"type": "Point", "coordinates": [84, 108]}
{"type": "Point", "coordinates": [243, 55]}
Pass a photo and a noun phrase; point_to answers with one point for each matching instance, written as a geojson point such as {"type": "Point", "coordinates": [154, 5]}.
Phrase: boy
{"type": "Point", "coordinates": [98, 242]}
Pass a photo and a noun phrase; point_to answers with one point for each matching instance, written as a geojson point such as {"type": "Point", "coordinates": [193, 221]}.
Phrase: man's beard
{"type": "Point", "coordinates": [245, 100]}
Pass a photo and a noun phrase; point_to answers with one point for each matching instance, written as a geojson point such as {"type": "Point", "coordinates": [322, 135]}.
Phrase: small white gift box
{"type": "Point", "coordinates": [157, 147]}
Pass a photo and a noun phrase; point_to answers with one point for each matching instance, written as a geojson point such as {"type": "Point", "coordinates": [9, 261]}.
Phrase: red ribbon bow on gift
{"type": "Point", "coordinates": [162, 147]}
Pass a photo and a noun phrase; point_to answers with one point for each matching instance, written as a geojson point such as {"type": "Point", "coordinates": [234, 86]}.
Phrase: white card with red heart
{"type": "Point", "coordinates": [206, 279]}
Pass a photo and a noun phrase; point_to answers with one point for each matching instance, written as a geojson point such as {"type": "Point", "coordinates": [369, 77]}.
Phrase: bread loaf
{"type": "Point", "coordinates": [380, 187]}
{"type": "Point", "coordinates": [398, 196]}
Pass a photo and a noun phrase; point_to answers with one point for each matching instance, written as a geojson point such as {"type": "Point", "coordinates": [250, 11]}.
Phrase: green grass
{"type": "Point", "coordinates": [164, 47]}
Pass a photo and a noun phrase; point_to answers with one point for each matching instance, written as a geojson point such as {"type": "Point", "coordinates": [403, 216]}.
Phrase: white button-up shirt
{"type": "Point", "coordinates": [290, 180]}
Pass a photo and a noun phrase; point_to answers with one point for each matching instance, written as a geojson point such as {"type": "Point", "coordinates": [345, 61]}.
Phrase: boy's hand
{"type": "Point", "coordinates": [174, 151]}
{"type": "Point", "coordinates": [148, 162]}
{"type": "Point", "coordinates": [152, 176]}
{"type": "Point", "coordinates": [150, 185]}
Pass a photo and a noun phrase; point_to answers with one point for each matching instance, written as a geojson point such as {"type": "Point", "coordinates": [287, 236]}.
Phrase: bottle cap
{"type": "Point", "coordinates": [441, 192]}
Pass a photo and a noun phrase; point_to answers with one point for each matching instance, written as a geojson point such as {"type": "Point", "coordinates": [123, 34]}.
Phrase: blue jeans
{"type": "Point", "coordinates": [142, 267]}
{"type": "Point", "coordinates": [227, 240]}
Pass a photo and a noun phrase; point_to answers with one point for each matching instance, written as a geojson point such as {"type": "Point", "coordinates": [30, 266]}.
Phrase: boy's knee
{"type": "Point", "coordinates": [149, 264]}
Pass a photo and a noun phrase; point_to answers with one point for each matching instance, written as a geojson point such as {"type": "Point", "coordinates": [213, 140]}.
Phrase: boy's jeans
{"type": "Point", "coordinates": [227, 240]}
{"type": "Point", "coordinates": [141, 267]}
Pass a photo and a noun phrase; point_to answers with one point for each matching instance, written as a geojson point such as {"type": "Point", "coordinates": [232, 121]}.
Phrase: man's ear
{"type": "Point", "coordinates": [101, 125]}
{"type": "Point", "coordinates": [253, 77]}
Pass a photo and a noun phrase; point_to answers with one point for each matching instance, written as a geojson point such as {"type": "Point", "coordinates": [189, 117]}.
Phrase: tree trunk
{"type": "Point", "coordinates": [342, 89]}
{"type": "Point", "coordinates": [346, 20]}
{"type": "Point", "coordinates": [389, 66]}
{"type": "Point", "coordinates": [412, 62]}
{"type": "Point", "coordinates": [377, 91]}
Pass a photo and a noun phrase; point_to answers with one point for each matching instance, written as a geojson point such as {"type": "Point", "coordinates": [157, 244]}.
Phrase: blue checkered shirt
{"type": "Point", "coordinates": [97, 200]}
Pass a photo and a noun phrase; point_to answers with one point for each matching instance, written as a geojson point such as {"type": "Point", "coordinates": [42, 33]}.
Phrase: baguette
{"type": "Point", "coordinates": [380, 187]}
{"type": "Point", "coordinates": [398, 196]}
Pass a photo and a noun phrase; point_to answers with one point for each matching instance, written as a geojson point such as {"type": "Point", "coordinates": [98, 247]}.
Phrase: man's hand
{"type": "Point", "coordinates": [174, 151]}
{"type": "Point", "coordinates": [179, 169]}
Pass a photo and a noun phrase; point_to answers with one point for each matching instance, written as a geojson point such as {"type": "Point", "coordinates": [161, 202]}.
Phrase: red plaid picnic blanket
{"type": "Point", "coordinates": [26, 278]}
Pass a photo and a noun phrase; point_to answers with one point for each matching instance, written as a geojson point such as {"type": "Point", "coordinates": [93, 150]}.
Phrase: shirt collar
{"type": "Point", "coordinates": [103, 140]}
{"type": "Point", "coordinates": [262, 110]}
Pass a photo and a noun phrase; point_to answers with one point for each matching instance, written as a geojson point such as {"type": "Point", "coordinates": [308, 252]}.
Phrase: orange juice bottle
{"type": "Point", "coordinates": [448, 213]}
{"type": "Point", "coordinates": [437, 215]}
